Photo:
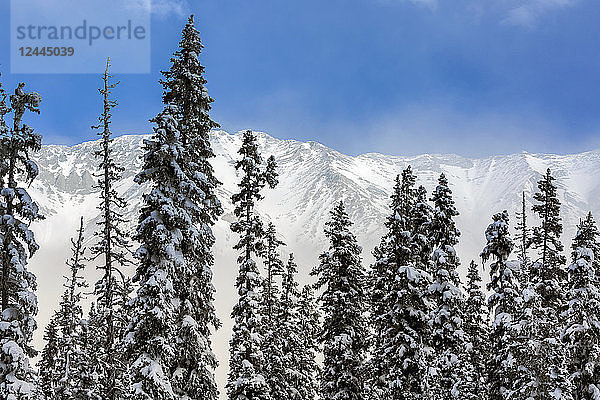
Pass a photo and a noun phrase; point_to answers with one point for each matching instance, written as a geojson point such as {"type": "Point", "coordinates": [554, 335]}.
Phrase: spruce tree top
{"type": "Point", "coordinates": [585, 255]}
{"type": "Point", "coordinates": [546, 237]}
{"type": "Point", "coordinates": [443, 226]}
{"type": "Point", "coordinates": [184, 85]}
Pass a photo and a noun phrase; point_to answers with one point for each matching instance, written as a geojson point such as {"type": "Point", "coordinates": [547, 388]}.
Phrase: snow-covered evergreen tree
{"type": "Point", "coordinates": [505, 366]}
{"type": "Point", "coordinates": [246, 380]}
{"type": "Point", "coordinates": [63, 359]}
{"type": "Point", "coordinates": [185, 89]}
{"type": "Point", "coordinates": [343, 302]}
{"type": "Point", "coordinates": [475, 326]}
{"type": "Point", "coordinates": [523, 241]}
{"type": "Point", "coordinates": [112, 247]}
{"type": "Point", "coordinates": [422, 241]}
{"type": "Point", "coordinates": [381, 277]}
{"type": "Point", "coordinates": [17, 244]}
{"type": "Point", "coordinates": [91, 340]}
{"type": "Point", "coordinates": [274, 267]}
{"type": "Point", "coordinates": [50, 373]}
{"type": "Point", "coordinates": [548, 282]}
{"type": "Point", "coordinates": [581, 331]}
{"type": "Point", "coordinates": [447, 336]}
{"type": "Point", "coordinates": [297, 327]}
{"type": "Point", "coordinates": [151, 338]}
{"type": "Point", "coordinates": [400, 311]}
{"type": "Point", "coordinates": [287, 325]}
{"type": "Point", "coordinates": [309, 326]}
{"type": "Point", "coordinates": [273, 332]}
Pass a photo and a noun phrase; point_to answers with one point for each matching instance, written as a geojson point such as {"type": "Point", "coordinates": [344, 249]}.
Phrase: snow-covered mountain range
{"type": "Point", "coordinates": [312, 178]}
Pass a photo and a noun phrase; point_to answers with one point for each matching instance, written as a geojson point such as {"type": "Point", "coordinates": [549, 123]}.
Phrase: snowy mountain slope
{"type": "Point", "coordinates": [312, 178]}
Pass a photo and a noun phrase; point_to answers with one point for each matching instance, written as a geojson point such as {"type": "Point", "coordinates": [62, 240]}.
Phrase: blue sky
{"type": "Point", "coordinates": [471, 77]}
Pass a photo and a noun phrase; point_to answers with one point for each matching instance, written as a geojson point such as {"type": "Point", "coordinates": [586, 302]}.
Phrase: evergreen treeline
{"type": "Point", "coordinates": [405, 328]}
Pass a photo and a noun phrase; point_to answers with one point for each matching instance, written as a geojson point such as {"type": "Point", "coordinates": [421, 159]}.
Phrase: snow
{"type": "Point", "coordinates": [312, 178]}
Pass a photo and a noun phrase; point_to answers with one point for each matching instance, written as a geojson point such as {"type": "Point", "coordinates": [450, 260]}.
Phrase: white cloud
{"type": "Point", "coordinates": [528, 12]}
{"type": "Point", "coordinates": [431, 4]}
{"type": "Point", "coordinates": [161, 8]}
{"type": "Point", "coordinates": [427, 3]}
{"type": "Point", "coordinates": [512, 12]}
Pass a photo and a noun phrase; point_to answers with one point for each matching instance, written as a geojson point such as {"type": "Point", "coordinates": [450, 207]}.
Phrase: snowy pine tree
{"type": "Point", "coordinates": [400, 311]}
{"type": "Point", "coordinates": [297, 326]}
{"type": "Point", "coordinates": [151, 339]}
{"type": "Point", "coordinates": [17, 244]}
{"type": "Point", "coordinates": [185, 89]}
{"type": "Point", "coordinates": [63, 358]}
{"type": "Point", "coordinates": [271, 310]}
{"type": "Point", "coordinates": [343, 302]}
{"type": "Point", "coordinates": [422, 241]}
{"type": "Point", "coordinates": [309, 327]}
{"type": "Point", "coordinates": [112, 246]}
{"type": "Point", "coordinates": [548, 282]}
{"type": "Point", "coordinates": [91, 340]}
{"type": "Point", "coordinates": [523, 239]}
{"type": "Point", "coordinates": [581, 331]}
{"type": "Point", "coordinates": [475, 326]}
{"type": "Point", "coordinates": [246, 380]}
{"type": "Point", "coordinates": [274, 267]}
{"type": "Point", "coordinates": [50, 373]}
{"type": "Point", "coordinates": [447, 336]}
{"type": "Point", "coordinates": [505, 366]}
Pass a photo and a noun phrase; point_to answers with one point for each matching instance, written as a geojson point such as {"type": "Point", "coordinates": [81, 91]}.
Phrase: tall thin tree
{"type": "Point", "coordinates": [246, 380]}
{"type": "Point", "coordinates": [447, 336]}
{"type": "Point", "coordinates": [112, 247]}
{"type": "Point", "coordinates": [17, 244]}
{"type": "Point", "coordinates": [476, 330]}
{"type": "Point", "coordinates": [271, 315]}
{"type": "Point", "coordinates": [548, 280]}
{"type": "Point", "coordinates": [523, 239]}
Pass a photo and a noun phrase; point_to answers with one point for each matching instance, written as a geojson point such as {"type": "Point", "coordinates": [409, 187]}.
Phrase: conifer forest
{"type": "Point", "coordinates": [405, 327]}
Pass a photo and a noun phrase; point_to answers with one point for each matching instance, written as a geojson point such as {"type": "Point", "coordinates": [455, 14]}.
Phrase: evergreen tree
{"type": "Point", "coordinates": [271, 322]}
{"type": "Point", "coordinates": [382, 277]}
{"type": "Point", "coordinates": [581, 331]}
{"type": "Point", "coordinates": [17, 244]}
{"type": "Point", "coordinates": [185, 90]}
{"type": "Point", "coordinates": [548, 281]}
{"type": "Point", "coordinates": [400, 317]}
{"type": "Point", "coordinates": [112, 247]}
{"type": "Point", "coordinates": [308, 314]}
{"type": "Point", "coordinates": [506, 362]}
{"type": "Point", "coordinates": [50, 374]}
{"type": "Point", "coordinates": [447, 336]}
{"type": "Point", "coordinates": [297, 327]}
{"type": "Point", "coordinates": [274, 267]}
{"type": "Point", "coordinates": [523, 242]}
{"type": "Point", "coordinates": [62, 362]}
{"type": "Point", "coordinates": [477, 336]}
{"type": "Point", "coordinates": [91, 340]}
{"type": "Point", "coordinates": [422, 241]}
{"type": "Point", "coordinates": [246, 380]}
{"type": "Point", "coordinates": [344, 332]}
{"type": "Point", "coordinates": [150, 338]}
